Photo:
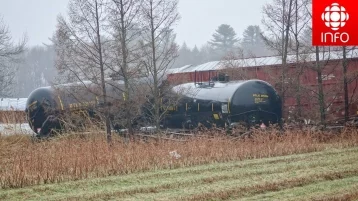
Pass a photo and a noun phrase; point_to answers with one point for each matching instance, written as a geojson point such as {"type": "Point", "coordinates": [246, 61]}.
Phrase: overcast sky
{"type": "Point", "coordinates": [199, 18]}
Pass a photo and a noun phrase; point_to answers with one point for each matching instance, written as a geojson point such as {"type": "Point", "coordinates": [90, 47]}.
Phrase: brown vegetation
{"type": "Point", "coordinates": [74, 157]}
{"type": "Point", "coordinates": [12, 117]}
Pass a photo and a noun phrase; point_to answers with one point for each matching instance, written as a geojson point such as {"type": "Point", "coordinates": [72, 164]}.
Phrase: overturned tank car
{"type": "Point", "coordinates": [49, 108]}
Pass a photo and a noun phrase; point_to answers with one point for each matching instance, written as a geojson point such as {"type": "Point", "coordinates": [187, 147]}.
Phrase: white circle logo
{"type": "Point", "coordinates": [335, 16]}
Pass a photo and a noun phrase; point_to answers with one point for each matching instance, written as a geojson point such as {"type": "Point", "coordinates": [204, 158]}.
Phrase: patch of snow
{"type": "Point", "coordinates": [175, 154]}
{"type": "Point", "coordinates": [12, 129]}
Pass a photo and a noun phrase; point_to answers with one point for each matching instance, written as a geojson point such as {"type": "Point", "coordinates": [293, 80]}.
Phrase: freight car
{"type": "Point", "coordinates": [224, 103]}
{"type": "Point", "coordinates": [220, 102]}
{"type": "Point", "coordinates": [46, 107]}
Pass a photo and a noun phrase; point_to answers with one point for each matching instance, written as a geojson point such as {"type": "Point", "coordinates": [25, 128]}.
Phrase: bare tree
{"type": "Point", "coordinates": [345, 85]}
{"type": "Point", "coordinates": [158, 49]}
{"type": "Point", "coordinates": [234, 64]}
{"type": "Point", "coordinates": [348, 79]}
{"type": "Point", "coordinates": [80, 47]}
{"type": "Point", "coordinates": [10, 55]}
{"type": "Point", "coordinates": [277, 20]}
{"type": "Point", "coordinates": [299, 25]}
{"type": "Point", "coordinates": [320, 88]}
{"type": "Point", "coordinates": [124, 23]}
{"type": "Point", "coordinates": [352, 79]}
{"type": "Point", "coordinates": [318, 68]}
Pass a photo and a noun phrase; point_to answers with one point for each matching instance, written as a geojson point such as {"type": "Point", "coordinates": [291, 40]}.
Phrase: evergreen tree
{"type": "Point", "coordinates": [224, 39]}
{"type": "Point", "coordinates": [197, 59]}
{"type": "Point", "coordinates": [185, 56]}
{"type": "Point", "coordinates": [208, 53]}
{"type": "Point", "coordinates": [252, 35]}
{"type": "Point", "coordinates": [253, 43]}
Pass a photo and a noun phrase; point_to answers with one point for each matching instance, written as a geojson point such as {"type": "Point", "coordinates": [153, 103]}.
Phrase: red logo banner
{"type": "Point", "coordinates": [334, 23]}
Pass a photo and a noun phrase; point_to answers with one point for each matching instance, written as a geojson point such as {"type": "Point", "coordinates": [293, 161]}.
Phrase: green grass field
{"type": "Point", "coordinates": [327, 175]}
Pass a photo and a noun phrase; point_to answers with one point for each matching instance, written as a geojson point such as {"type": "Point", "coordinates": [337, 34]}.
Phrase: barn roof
{"type": "Point", "coordinates": [262, 61]}
{"type": "Point", "coordinates": [7, 104]}
{"type": "Point", "coordinates": [177, 70]}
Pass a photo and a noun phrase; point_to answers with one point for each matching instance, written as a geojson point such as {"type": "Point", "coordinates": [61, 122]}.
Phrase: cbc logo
{"type": "Point", "coordinates": [335, 16]}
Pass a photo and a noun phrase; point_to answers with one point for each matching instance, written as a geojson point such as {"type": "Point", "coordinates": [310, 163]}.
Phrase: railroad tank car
{"type": "Point", "coordinates": [220, 102]}
{"type": "Point", "coordinates": [227, 103]}
{"type": "Point", "coordinates": [46, 104]}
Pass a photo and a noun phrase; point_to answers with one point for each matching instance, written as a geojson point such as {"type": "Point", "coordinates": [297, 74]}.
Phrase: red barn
{"type": "Point", "coordinates": [300, 80]}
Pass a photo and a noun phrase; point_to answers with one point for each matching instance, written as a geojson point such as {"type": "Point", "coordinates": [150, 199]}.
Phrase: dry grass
{"type": "Point", "coordinates": [330, 174]}
{"type": "Point", "coordinates": [12, 117]}
{"type": "Point", "coordinates": [75, 157]}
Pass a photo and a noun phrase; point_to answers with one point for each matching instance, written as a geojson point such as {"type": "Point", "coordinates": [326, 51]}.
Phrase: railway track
{"type": "Point", "coordinates": [183, 135]}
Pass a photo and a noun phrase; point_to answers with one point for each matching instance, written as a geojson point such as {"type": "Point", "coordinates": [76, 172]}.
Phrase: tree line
{"type": "Point", "coordinates": [224, 42]}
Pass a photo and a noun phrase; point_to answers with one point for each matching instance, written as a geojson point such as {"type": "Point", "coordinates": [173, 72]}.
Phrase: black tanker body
{"type": "Point", "coordinates": [46, 104]}
{"type": "Point", "coordinates": [250, 102]}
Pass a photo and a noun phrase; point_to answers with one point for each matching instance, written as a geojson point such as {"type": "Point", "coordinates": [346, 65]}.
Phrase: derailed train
{"type": "Point", "coordinates": [219, 102]}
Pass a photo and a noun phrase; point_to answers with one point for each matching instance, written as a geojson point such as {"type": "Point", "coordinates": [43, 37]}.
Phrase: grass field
{"type": "Point", "coordinates": [331, 174]}
{"type": "Point", "coordinates": [290, 165]}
